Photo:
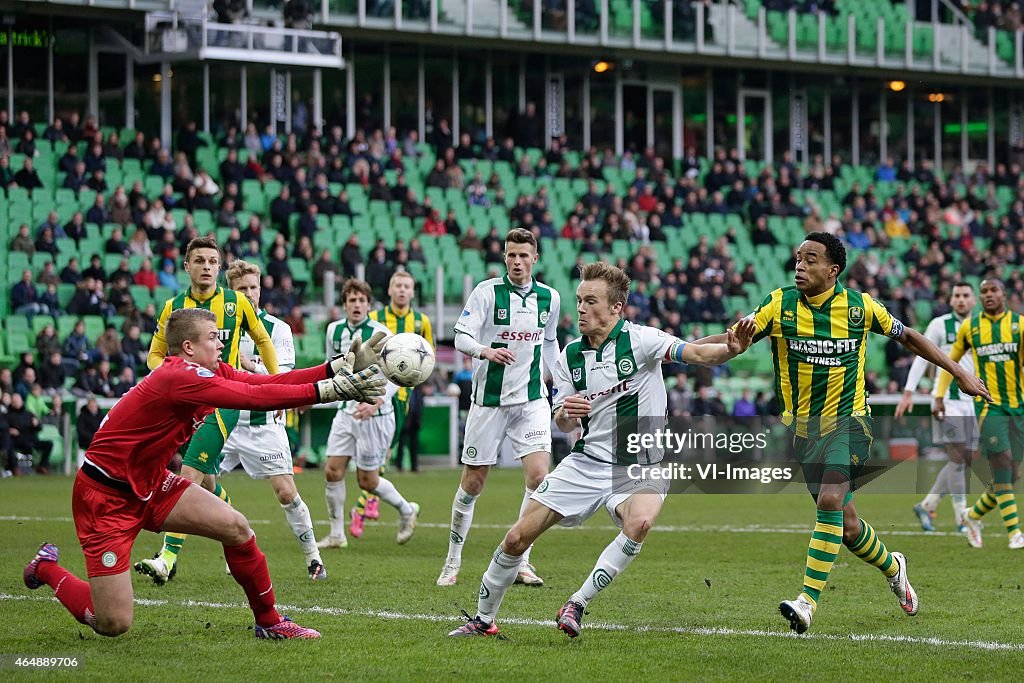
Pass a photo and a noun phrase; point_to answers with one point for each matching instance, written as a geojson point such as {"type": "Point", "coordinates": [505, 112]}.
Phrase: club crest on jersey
{"type": "Point", "coordinates": [626, 366]}
{"type": "Point", "coordinates": [856, 315]}
{"type": "Point", "coordinates": [544, 317]}
{"type": "Point", "coordinates": [229, 309]}
{"type": "Point", "coordinates": [502, 314]}
{"type": "Point", "coordinates": [577, 374]}
{"type": "Point", "coordinates": [1014, 328]}
{"type": "Point", "coordinates": [951, 338]}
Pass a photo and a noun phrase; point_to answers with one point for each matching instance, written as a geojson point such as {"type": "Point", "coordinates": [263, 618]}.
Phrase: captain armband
{"type": "Point", "coordinates": [675, 351]}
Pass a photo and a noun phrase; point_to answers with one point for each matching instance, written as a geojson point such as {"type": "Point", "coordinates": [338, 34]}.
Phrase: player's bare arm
{"type": "Point", "coordinates": [917, 343]}
{"type": "Point", "coordinates": [567, 417]}
{"type": "Point", "coordinates": [737, 340]}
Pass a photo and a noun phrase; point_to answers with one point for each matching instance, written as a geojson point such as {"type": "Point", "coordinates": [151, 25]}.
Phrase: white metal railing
{"type": "Point", "coordinates": [257, 37]}
{"type": "Point", "coordinates": [170, 34]}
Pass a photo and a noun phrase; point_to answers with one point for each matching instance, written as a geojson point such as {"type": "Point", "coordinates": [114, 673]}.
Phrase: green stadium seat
{"type": "Point", "coordinates": [65, 325]}
{"type": "Point", "coordinates": [141, 295]}
{"type": "Point", "coordinates": [94, 326]}
{"type": "Point", "coordinates": [18, 323]}
{"type": "Point", "coordinates": [162, 294]}
{"type": "Point", "coordinates": [18, 342]}
{"type": "Point", "coordinates": [52, 434]}
{"type": "Point", "coordinates": [17, 262]}
{"type": "Point", "coordinates": [6, 359]}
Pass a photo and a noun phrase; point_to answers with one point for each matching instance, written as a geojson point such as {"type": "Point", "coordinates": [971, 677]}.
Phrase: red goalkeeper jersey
{"type": "Point", "coordinates": [142, 431]}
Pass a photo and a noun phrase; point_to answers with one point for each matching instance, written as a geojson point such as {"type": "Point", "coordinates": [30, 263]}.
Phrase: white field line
{"type": "Point", "coordinates": [986, 645]}
{"type": "Point", "coordinates": [894, 530]}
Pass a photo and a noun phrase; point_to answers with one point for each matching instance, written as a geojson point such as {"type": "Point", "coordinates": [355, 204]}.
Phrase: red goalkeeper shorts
{"type": "Point", "coordinates": [108, 520]}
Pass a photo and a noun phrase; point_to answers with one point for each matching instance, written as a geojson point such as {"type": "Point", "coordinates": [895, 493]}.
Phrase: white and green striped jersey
{"type": "Point", "coordinates": [941, 331]}
{"type": "Point", "coordinates": [499, 316]}
{"type": "Point", "coordinates": [623, 382]}
{"type": "Point", "coordinates": [281, 336]}
{"type": "Point", "coordinates": [339, 339]}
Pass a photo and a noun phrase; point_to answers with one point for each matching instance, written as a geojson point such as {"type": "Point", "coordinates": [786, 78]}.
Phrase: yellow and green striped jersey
{"type": "Point", "coordinates": [998, 350]}
{"type": "Point", "coordinates": [818, 349]}
{"type": "Point", "coordinates": [235, 316]}
{"type": "Point", "coordinates": [410, 321]}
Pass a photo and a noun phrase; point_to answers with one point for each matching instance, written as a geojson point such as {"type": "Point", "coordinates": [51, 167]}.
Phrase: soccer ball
{"type": "Point", "coordinates": [407, 359]}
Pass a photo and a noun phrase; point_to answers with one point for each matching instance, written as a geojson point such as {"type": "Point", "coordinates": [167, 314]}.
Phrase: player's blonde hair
{"type": "Point", "coordinates": [401, 273]}
{"type": "Point", "coordinates": [615, 278]}
{"type": "Point", "coordinates": [183, 325]}
{"type": "Point", "coordinates": [239, 269]}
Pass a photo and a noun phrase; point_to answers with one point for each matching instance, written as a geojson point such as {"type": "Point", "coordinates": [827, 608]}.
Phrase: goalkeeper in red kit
{"type": "Point", "coordinates": [124, 486]}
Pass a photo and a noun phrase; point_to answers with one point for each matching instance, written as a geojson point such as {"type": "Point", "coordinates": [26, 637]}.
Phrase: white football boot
{"type": "Point", "coordinates": [900, 585]}
{"type": "Point", "coordinates": [799, 612]}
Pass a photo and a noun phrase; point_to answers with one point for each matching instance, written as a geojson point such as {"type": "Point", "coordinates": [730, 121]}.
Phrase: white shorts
{"type": "Point", "coordinates": [368, 441]}
{"type": "Point", "coordinates": [959, 426]}
{"type": "Point", "coordinates": [580, 486]}
{"type": "Point", "coordinates": [263, 451]}
{"type": "Point", "coordinates": [527, 426]}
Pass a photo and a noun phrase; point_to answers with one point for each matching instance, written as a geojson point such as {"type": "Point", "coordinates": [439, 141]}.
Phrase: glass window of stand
{"type": "Point", "coordinates": [404, 88]}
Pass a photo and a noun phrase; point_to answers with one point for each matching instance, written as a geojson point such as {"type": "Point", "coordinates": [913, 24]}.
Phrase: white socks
{"type": "Point", "coordinates": [613, 560]}
{"type": "Point", "coordinates": [522, 509]}
{"type": "Point", "coordinates": [336, 507]}
{"type": "Point", "coordinates": [462, 519]}
{"type": "Point", "coordinates": [956, 482]}
{"type": "Point", "coordinates": [390, 495]}
{"type": "Point", "coordinates": [500, 574]}
{"type": "Point", "coordinates": [952, 480]}
{"type": "Point", "coordinates": [301, 523]}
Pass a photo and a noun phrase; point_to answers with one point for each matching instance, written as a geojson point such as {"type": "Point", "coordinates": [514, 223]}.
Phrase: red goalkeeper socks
{"type": "Point", "coordinates": [249, 568]}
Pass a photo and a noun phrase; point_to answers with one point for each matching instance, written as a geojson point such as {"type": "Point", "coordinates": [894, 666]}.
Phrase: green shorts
{"type": "Point", "coordinates": [401, 410]}
{"type": "Point", "coordinates": [846, 450]}
{"type": "Point", "coordinates": [1002, 429]}
{"type": "Point", "coordinates": [205, 450]}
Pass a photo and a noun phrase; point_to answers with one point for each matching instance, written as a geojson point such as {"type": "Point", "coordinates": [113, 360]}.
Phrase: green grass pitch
{"type": "Point", "coordinates": [701, 600]}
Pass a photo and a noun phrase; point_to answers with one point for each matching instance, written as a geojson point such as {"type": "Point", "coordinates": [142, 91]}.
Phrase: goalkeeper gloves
{"type": "Point", "coordinates": [363, 386]}
{"type": "Point", "coordinates": [360, 355]}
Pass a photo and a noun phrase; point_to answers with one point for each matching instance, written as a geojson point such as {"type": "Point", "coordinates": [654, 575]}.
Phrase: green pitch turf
{"type": "Point", "coordinates": [701, 600]}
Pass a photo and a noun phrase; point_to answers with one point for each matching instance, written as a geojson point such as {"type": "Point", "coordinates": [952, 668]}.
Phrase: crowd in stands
{"type": "Point", "coordinates": [1005, 15]}
{"type": "Point", "coordinates": [908, 243]}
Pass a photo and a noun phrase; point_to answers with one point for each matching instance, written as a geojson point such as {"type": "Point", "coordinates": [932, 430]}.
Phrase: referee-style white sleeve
{"type": "Point", "coordinates": [479, 305]}
{"type": "Point", "coordinates": [562, 384]}
{"type": "Point", "coordinates": [917, 369]}
{"type": "Point", "coordinates": [549, 351]}
{"type": "Point", "coordinates": [468, 345]}
{"type": "Point", "coordinates": [285, 346]}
